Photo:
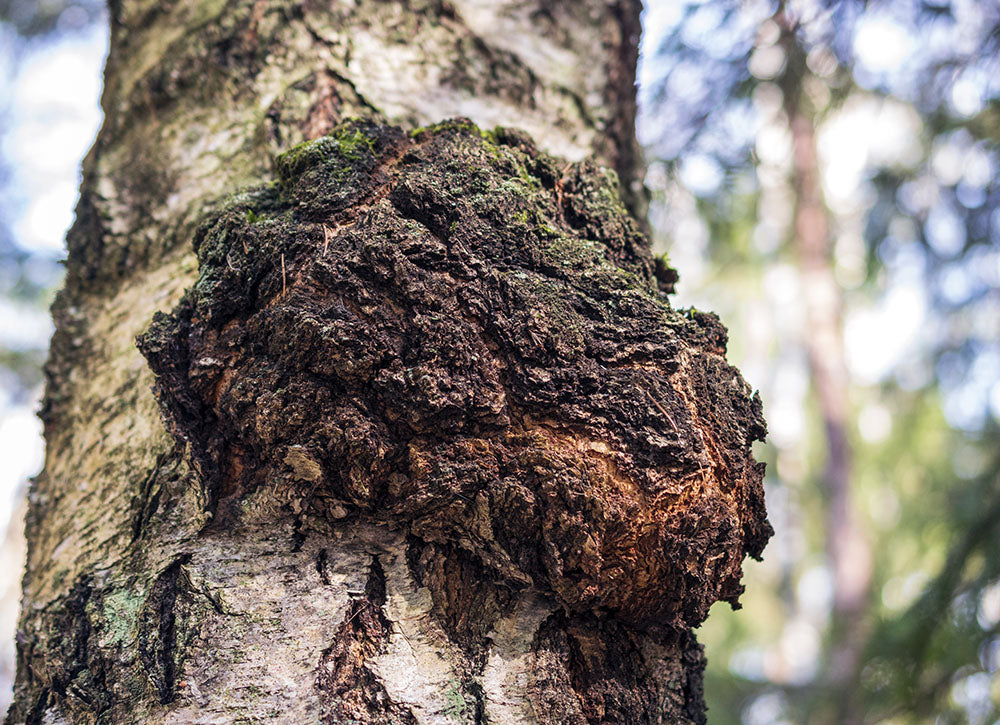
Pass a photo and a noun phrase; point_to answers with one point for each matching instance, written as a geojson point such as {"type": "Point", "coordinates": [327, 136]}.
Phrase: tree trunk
{"type": "Point", "coordinates": [428, 443]}
{"type": "Point", "coordinates": [847, 547]}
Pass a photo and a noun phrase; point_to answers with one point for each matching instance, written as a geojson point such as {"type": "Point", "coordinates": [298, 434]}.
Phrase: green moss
{"type": "Point", "coordinates": [321, 177]}
{"type": "Point", "coordinates": [486, 139]}
{"type": "Point", "coordinates": [526, 177]}
{"type": "Point", "coordinates": [570, 252]}
{"type": "Point", "coordinates": [455, 124]}
{"type": "Point", "coordinates": [121, 615]}
{"type": "Point", "coordinates": [552, 312]}
{"type": "Point", "coordinates": [515, 188]}
{"type": "Point", "coordinates": [455, 705]}
{"type": "Point", "coordinates": [340, 151]}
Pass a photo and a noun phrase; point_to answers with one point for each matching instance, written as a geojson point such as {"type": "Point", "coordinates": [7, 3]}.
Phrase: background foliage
{"type": "Point", "coordinates": [888, 610]}
{"type": "Point", "coordinates": [824, 176]}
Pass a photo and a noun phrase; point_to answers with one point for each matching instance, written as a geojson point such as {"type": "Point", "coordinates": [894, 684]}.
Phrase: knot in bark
{"type": "Point", "coordinates": [459, 334]}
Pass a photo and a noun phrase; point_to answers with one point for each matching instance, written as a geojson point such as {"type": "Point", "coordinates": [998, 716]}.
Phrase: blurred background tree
{"type": "Point", "coordinates": [824, 176]}
{"type": "Point", "coordinates": [50, 58]}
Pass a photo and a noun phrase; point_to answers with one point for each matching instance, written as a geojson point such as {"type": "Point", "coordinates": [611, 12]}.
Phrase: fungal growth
{"type": "Point", "coordinates": [470, 340]}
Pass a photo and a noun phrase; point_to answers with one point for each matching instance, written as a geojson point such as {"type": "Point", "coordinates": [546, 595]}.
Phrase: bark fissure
{"type": "Point", "coordinates": [350, 688]}
{"type": "Point", "coordinates": [166, 469]}
{"type": "Point", "coordinates": [77, 674]}
{"type": "Point", "coordinates": [157, 632]}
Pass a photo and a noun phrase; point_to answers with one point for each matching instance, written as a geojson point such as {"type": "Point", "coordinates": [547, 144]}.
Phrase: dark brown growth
{"type": "Point", "coordinates": [466, 338]}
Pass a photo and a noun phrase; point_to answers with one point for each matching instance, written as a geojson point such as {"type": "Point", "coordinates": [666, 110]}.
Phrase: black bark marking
{"type": "Point", "coordinates": [478, 700]}
{"type": "Point", "coordinates": [69, 667]}
{"type": "Point", "coordinates": [158, 631]}
{"type": "Point", "coordinates": [37, 710]}
{"type": "Point", "coordinates": [298, 535]}
{"type": "Point", "coordinates": [323, 566]}
{"type": "Point", "coordinates": [147, 501]}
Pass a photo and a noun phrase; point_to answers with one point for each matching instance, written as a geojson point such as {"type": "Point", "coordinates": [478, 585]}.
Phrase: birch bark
{"type": "Point", "coordinates": [154, 594]}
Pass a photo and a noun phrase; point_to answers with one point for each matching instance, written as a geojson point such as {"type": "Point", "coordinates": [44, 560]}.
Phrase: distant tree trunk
{"type": "Point", "coordinates": [846, 545]}
{"type": "Point", "coordinates": [428, 443]}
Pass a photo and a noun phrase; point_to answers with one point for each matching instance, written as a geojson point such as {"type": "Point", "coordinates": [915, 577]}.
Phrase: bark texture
{"type": "Point", "coordinates": [465, 339]}
{"type": "Point", "coordinates": [437, 449]}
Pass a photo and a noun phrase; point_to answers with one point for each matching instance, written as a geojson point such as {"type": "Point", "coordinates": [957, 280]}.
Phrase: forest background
{"type": "Point", "coordinates": [824, 176]}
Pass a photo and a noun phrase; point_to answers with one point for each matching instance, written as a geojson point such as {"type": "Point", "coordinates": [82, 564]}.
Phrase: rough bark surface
{"type": "Point", "coordinates": [437, 449]}
{"type": "Point", "coordinates": [465, 339]}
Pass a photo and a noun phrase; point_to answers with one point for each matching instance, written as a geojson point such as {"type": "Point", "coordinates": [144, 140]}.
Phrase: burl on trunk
{"type": "Point", "coordinates": [453, 337]}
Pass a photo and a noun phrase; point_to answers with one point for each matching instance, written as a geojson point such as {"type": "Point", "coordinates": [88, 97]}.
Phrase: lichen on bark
{"type": "Point", "coordinates": [463, 337]}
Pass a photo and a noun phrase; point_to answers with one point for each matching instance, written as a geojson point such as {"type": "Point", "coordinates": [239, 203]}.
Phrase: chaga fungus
{"type": "Point", "coordinates": [464, 337]}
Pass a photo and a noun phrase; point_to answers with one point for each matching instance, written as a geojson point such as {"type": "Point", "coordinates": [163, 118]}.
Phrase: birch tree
{"type": "Point", "coordinates": [366, 401]}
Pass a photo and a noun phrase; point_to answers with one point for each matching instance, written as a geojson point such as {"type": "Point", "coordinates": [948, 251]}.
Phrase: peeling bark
{"type": "Point", "coordinates": [429, 443]}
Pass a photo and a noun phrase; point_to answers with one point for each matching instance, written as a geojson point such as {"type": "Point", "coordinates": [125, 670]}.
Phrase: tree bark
{"type": "Point", "coordinates": [428, 443]}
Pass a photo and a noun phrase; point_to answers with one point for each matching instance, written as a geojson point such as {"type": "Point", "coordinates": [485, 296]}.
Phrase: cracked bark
{"type": "Point", "coordinates": [428, 442]}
